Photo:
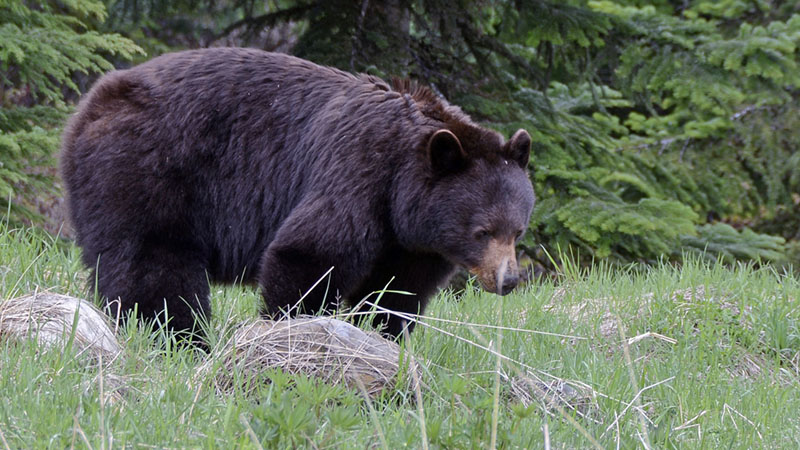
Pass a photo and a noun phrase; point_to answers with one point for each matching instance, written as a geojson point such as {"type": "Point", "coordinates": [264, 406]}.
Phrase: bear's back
{"type": "Point", "coordinates": [217, 146]}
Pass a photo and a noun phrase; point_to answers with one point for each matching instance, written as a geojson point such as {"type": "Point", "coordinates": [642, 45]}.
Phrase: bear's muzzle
{"type": "Point", "coordinates": [498, 271]}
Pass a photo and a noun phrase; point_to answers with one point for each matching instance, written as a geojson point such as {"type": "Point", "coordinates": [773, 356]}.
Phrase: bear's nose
{"type": "Point", "coordinates": [509, 283]}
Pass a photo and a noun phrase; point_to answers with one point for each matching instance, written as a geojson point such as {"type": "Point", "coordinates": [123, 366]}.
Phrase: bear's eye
{"type": "Point", "coordinates": [482, 235]}
{"type": "Point", "coordinates": [519, 234]}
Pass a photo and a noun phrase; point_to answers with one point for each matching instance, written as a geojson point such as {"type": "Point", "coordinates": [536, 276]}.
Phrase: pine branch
{"type": "Point", "coordinates": [43, 50]}
{"type": "Point", "coordinates": [267, 20]}
{"type": "Point", "coordinates": [477, 38]}
{"type": "Point", "coordinates": [666, 142]}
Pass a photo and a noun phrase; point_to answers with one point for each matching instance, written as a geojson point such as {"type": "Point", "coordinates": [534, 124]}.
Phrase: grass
{"type": "Point", "coordinates": [695, 356]}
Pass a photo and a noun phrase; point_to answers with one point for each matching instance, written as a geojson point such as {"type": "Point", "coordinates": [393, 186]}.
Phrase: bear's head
{"type": "Point", "coordinates": [478, 201]}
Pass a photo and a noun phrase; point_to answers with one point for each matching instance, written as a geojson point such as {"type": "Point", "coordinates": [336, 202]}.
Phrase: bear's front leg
{"type": "Point", "coordinates": [290, 273]}
{"type": "Point", "coordinates": [317, 237]}
{"type": "Point", "coordinates": [398, 270]}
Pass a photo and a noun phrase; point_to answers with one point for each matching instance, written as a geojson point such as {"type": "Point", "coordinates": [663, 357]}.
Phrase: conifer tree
{"type": "Point", "coordinates": [43, 46]}
{"type": "Point", "coordinates": [654, 126]}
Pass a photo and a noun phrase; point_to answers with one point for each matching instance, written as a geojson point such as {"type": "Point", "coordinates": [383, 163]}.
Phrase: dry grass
{"type": "Point", "coordinates": [327, 348]}
{"type": "Point", "coordinates": [530, 389]}
{"type": "Point", "coordinates": [58, 321]}
{"type": "Point", "coordinates": [588, 308]}
{"type": "Point", "coordinates": [55, 320]}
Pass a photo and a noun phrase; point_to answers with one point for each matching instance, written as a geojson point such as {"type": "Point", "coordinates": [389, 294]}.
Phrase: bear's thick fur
{"type": "Point", "coordinates": [234, 164]}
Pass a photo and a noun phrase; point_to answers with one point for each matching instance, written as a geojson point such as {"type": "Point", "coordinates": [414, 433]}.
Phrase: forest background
{"type": "Point", "coordinates": [659, 128]}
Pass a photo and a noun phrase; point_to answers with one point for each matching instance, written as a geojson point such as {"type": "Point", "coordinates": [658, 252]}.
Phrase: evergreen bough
{"type": "Point", "coordinates": [43, 51]}
{"type": "Point", "coordinates": [656, 128]}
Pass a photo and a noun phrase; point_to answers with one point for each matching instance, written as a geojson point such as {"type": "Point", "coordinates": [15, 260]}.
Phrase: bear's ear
{"type": "Point", "coordinates": [445, 152]}
{"type": "Point", "coordinates": [518, 148]}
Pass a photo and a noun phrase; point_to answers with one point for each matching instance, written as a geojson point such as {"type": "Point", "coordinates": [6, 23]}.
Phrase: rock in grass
{"type": "Point", "coordinates": [329, 349]}
{"type": "Point", "coordinates": [326, 348]}
{"type": "Point", "coordinates": [56, 319]}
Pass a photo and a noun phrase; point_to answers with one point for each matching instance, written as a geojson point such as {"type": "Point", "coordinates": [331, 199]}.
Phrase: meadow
{"type": "Point", "coordinates": [695, 355]}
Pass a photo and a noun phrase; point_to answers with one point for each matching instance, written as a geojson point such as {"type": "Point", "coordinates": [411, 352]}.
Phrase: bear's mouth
{"type": "Point", "coordinates": [500, 280]}
{"type": "Point", "coordinates": [497, 270]}
{"type": "Point", "coordinates": [495, 285]}
{"type": "Point", "coordinates": [488, 285]}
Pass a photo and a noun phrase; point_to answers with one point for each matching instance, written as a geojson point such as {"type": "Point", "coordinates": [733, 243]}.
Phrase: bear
{"type": "Point", "coordinates": [234, 165]}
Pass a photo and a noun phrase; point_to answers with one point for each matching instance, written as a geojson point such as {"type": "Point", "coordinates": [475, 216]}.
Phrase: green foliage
{"type": "Point", "coordinates": [658, 117]}
{"type": "Point", "coordinates": [722, 241]}
{"type": "Point", "coordinates": [160, 26]}
{"type": "Point", "coordinates": [684, 109]}
{"type": "Point", "coordinates": [649, 119]}
{"type": "Point", "coordinates": [646, 120]}
{"type": "Point", "coordinates": [45, 51]}
{"type": "Point", "coordinates": [19, 151]}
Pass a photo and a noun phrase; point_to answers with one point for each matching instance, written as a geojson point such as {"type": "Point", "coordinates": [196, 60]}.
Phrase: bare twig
{"type": "Point", "coordinates": [728, 408]}
{"type": "Point", "coordinates": [688, 423]}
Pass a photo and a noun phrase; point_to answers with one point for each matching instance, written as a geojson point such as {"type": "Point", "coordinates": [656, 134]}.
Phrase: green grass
{"type": "Point", "coordinates": [695, 356]}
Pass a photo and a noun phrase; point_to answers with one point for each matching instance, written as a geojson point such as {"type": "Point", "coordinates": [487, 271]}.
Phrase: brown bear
{"type": "Point", "coordinates": [233, 164]}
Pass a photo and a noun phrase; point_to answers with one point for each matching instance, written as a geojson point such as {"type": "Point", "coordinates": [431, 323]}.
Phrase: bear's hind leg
{"type": "Point", "coordinates": [154, 275]}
